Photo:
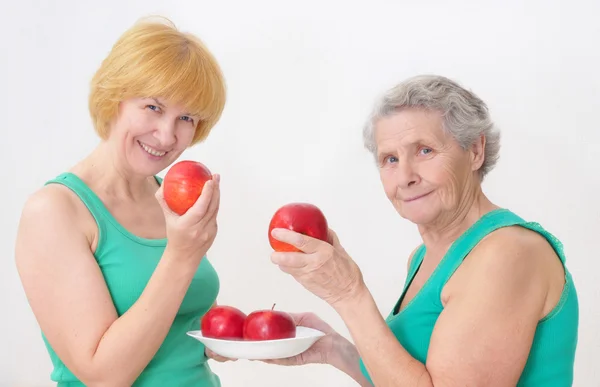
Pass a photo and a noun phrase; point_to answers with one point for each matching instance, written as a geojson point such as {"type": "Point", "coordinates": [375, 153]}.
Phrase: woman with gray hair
{"type": "Point", "coordinates": [487, 301]}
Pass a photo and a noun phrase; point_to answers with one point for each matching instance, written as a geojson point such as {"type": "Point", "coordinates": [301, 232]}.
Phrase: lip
{"type": "Point", "coordinates": [153, 147]}
{"type": "Point", "coordinates": [151, 157]}
{"type": "Point", "coordinates": [414, 198]}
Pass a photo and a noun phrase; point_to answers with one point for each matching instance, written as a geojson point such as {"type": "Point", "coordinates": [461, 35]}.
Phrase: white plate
{"type": "Point", "coordinates": [261, 350]}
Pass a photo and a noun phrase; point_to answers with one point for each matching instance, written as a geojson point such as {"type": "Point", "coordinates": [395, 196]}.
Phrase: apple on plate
{"type": "Point", "coordinates": [304, 218]}
{"type": "Point", "coordinates": [269, 324]}
{"type": "Point", "coordinates": [223, 322]}
{"type": "Point", "coordinates": [183, 185]}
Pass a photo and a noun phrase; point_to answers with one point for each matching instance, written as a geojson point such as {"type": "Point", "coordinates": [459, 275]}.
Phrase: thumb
{"type": "Point", "coordinates": [332, 238]}
{"type": "Point", "coordinates": [335, 242]}
{"type": "Point", "coordinates": [163, 204]}
{"type": "Point", "coordinates": [311, 320]}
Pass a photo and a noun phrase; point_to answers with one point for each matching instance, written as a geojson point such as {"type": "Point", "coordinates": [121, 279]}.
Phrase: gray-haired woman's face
{"type": "Point", "coordinates": [425, 173]}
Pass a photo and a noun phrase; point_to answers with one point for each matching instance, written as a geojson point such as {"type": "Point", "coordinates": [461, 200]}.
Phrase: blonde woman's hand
{"type": "Point", "coordinates": [191, 235]}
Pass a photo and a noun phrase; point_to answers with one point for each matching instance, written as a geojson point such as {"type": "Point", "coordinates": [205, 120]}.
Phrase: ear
{"type": "Point", "coordinates": [478, 153]}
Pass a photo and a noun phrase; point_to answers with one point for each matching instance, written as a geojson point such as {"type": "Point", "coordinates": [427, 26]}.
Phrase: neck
{"type": "Point", "coordinates": [105, 171]}
{"type": "Point", "coordinates": [439, 235]}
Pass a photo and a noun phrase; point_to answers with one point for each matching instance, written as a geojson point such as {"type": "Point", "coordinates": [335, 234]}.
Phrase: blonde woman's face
{"type": "Point", "coordinates": [150, 134]}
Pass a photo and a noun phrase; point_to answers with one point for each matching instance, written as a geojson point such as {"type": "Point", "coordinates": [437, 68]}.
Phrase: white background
{"type": "Point", "coordinates": [302, 77]}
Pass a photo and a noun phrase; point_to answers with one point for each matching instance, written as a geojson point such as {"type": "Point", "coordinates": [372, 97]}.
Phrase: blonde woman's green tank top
{"type": "Point", "coordinates": [552, 355]}
{"type": "Point", "coordinates": [127, 263]}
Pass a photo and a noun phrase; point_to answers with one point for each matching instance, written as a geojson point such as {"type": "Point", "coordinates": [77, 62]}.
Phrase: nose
{"type": "Point", "coordinates": [406, 174]}
{"type": "Point", "coordinates": [165, 133]}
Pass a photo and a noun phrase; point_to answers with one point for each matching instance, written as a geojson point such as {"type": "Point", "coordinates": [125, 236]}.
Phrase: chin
{"type": "Point", "coordinates": [419, 216]}
{"type": "Point", "coordinates": [146, 168]}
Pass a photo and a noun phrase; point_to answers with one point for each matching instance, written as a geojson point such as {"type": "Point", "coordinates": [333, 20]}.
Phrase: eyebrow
{"type": "Point", "coordinates": [163, 106]}
{"type": "Point", "coordinates": [412, 143]}
{"type": "Point", "coordinates": [158, 102]}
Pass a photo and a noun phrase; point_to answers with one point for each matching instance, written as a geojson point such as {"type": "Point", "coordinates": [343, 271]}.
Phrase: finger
{"type": "Point", "coordinates": [289, 361]}
{"type": "Point", "coordinates": [291, 260]}
{"type": "Point", "coordinates": [304, 319]}
{"type": "Point", "coordinates": [222, 359]}
{"type": "Point", "coordinates": [303, 242]}
{"type": "Point", "coordinates": [215, 201]}
{"type": "Point", "coordinates": [311, 320]}
{"type": "Point", "coordinates": [159, 195]}
{"type": "Point", "coordinates": [332, 237]}
{"type": "Point", "coordinates": [198, 210]}
{"type": "Point", "coordinates": [335, 241]}
{"type": "Point", "coordinates": [216, 357]}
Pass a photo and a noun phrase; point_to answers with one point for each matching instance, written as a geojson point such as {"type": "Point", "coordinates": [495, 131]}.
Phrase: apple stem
{"type": "Point", "coordinates": [273, 307]}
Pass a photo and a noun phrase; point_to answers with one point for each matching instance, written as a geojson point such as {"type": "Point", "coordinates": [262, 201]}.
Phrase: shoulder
{"type": "Point", "coordinates": [51, 200]}
{"type": "Point", "coordinates": [52, 228]}
{"type": "Point", "coordinates": [515, 246]}
{"type": "Point", "coordinates": [514, 261]}
{"type": "Point", "coordinates": [52, 208]}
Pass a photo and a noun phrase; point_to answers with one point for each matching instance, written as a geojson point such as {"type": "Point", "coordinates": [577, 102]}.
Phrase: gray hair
{"type": "Point", "coordinates": [465, 115]}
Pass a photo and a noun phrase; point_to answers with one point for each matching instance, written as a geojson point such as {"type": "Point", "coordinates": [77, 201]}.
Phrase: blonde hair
{"type": "Point", "coordinates": [154, 59]}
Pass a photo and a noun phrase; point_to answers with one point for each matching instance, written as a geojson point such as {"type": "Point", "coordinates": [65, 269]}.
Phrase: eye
{"type": "Point", "coordinates": [153, 107]}
{"type": "Point", "coordinates": [390, 159]}
{"type": "Point", "coordinates": [425, 151]}
{"type": "Point", "coordinates": [188, 119]}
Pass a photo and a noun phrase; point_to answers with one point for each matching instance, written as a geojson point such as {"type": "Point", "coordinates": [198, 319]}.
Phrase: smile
{"type": "Point", "coordinates": [151, 151]}
{"type": "Point", "coordinates": [416, 197]}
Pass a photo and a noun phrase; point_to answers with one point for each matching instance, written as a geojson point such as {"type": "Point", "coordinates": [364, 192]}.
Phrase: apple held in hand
{"type": "Point", "coordinates": [304, 218]}
{"type": "Point", "coordinates": [269, 325]}
{"type": "Point", "coordinates": [223, 322]}
{"type": "Point", "coordinates": [183, 185]}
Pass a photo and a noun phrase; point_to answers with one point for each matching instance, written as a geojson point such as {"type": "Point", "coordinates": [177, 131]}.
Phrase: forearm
{"type": "Point", "coordinates": [373, 338]}
{"type": "Point", "coordinates": [133, 339]}
{"type": "Point", "coordinates": [346, 359]}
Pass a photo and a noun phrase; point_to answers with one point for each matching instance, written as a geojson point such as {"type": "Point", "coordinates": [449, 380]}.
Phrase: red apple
{"type": "Point", "coordinates": [269, 325]}
{"type": "Point", "coordinates": [223, 322]}
{"type": "Point", "coordinates": [303, 218]}
{"type": "Point", "coordinates": [183, 185]}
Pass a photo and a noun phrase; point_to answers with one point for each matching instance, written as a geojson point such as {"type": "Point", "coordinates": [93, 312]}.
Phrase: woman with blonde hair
{"type": "Point", "coordinates": [115, 278]}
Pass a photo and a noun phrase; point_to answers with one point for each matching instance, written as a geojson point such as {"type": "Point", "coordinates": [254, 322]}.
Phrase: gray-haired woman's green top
{"type": "Point", "coordinates": [552, 355]}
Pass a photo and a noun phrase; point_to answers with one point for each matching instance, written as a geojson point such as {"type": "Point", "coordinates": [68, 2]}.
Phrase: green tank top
{"type": "Point", "coordinates": [127, 263]}
{"type": "Point", "coordinates": [552, 355]}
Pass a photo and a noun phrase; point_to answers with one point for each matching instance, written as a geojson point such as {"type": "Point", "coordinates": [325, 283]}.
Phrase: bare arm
{"type": "Point", "coordinates": [485, 333]}
{"type": "Point", "coordinates": [482, 337]}
{"type": "Point", "coordinates": [345, 356]}
{"type": "Point", "coordinates": [347, 359]}
{"type": "Point", "coordinates": [333, 349]}
{"type": "Point", "coordinates": [71, 302]}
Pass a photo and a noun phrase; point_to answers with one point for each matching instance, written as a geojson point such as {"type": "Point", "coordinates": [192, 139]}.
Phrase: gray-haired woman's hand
{"type": "Point", "coordinates": [323, 268]}
{"type": "Point", "coordinates": [321, 352]}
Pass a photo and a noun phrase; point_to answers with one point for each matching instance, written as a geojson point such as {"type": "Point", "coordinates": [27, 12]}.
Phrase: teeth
{"type": "Point", "coordinates": [153, 152]}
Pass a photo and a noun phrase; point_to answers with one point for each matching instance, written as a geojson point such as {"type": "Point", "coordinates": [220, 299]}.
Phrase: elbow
{"type": "Point", "coordinates": [91, 382]}
{"type": "Point", "coordinates": [105, 380]}
{"type": "Point", "coordinates": [425, 379]}
{"type": "Point", "coordinates": [92, 375]}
